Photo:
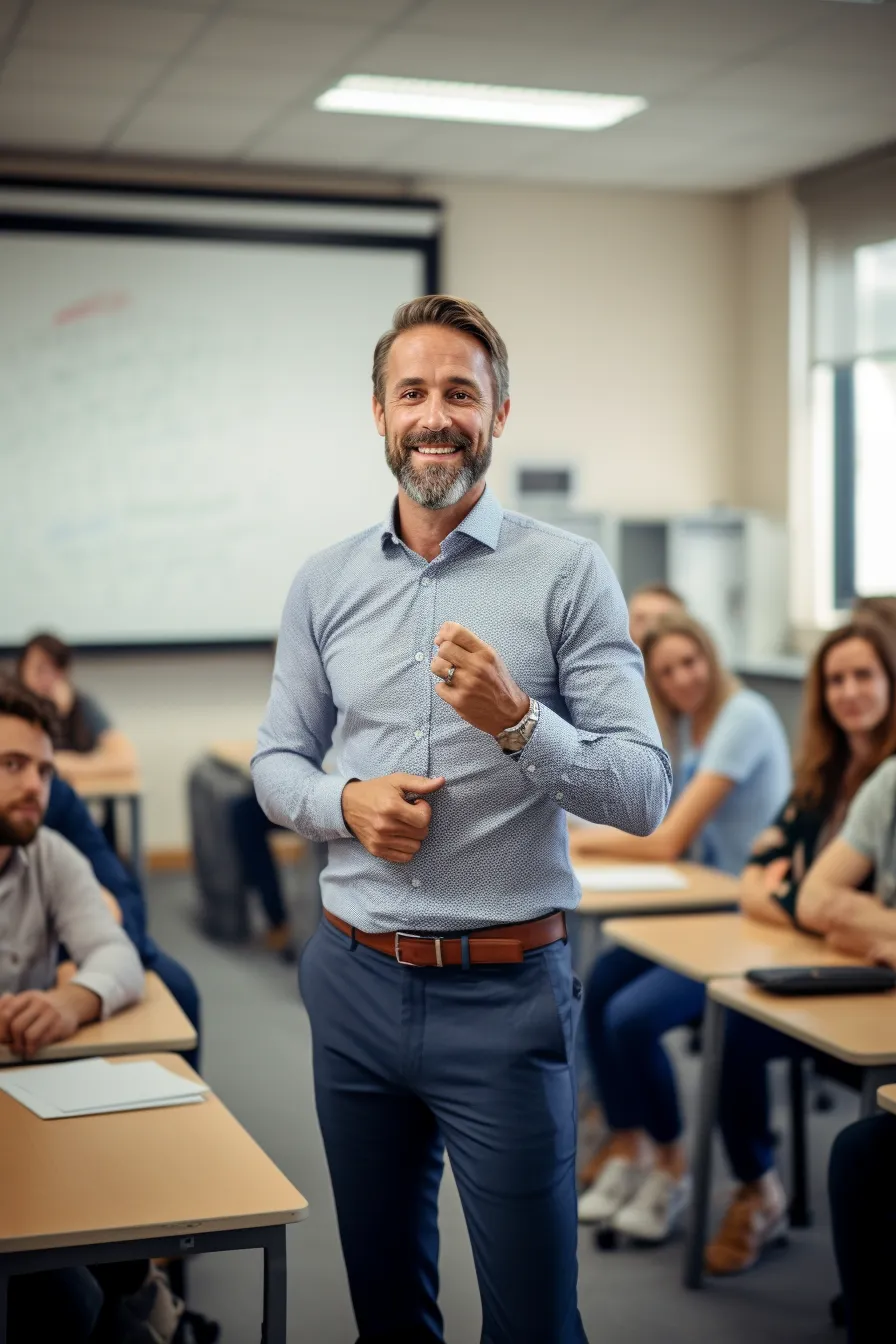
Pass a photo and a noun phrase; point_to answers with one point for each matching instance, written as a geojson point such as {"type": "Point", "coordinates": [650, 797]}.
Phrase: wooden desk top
{"type": "Point", "coordinates": [707, 889]}
{"type": "Point", "coordinates": [886, 1097]}
{"type": "Point", "coordinates": [167, 1172]}
{"type": "Point", "coordinates": [237, 755]}
{"type": "Point", "coordinates": [857, 1028]}
{"type": "Point", "coordinates": [97, 788]}
{"type": "Point", "coordinates": [155, 1023]}
{"type": "Point", "coordinates": [704, 947]}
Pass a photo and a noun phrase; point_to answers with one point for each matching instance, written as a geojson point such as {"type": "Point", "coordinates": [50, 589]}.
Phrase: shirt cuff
{"type": "Point", "coordinates": [110, 993]}
{"type": "Point", "coordinates": [549, 752]}
{"type": "Point", "coordinates": [328, 806]}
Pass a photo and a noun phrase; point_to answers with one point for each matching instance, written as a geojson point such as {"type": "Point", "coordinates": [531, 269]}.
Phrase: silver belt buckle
{"type": "Point", "coordinates": [420, 938]}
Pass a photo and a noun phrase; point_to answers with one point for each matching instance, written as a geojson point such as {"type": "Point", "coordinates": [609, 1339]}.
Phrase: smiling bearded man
{"type": "Point", "coordinates": [477, 669]}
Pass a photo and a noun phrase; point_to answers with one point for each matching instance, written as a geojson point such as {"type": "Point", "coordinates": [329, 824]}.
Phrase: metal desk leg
{"type": "Point", "coordinates": [800, 1212]}
{"type": "Point", "coordinates": [137, 840]}
{"type": "Point", "coordinates": [4, 1284]}
{"type": "Point", "coordinates": [714, 1016]}
{"type": "Point", "coordinates": [273, 1330]}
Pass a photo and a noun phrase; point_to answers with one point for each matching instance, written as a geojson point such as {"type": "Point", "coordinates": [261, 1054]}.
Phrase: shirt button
{"type": "Point", "coordinates": [559, 797]}
{"type": "Point", "coordinates": [425, 582]}
{"type": "Point", "coordinates": [418, 733]}
{"type": "Point", "coordinates": [531, 769]}
{"type": "Point", "coordinates": [415, 881]}
{"type": "Point", "coordinates": [418, 657]}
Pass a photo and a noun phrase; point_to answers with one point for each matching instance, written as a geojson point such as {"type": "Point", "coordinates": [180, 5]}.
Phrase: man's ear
{"type": "Point", "coordinates": [501, 419]}
{"type": "Point", "coordinates": [379, 416]}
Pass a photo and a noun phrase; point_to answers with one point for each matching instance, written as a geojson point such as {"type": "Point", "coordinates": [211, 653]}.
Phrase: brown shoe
{"type": "Point", "coordinates": [756, 1217]}
{"type": "Point", "coordinates": [280, 940]}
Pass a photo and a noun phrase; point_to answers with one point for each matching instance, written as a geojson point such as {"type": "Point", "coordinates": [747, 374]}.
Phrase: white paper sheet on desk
{"type": "Point", "coordinates": [96, 1087]}
{"type": "Point", "coordinates": [630, 877]}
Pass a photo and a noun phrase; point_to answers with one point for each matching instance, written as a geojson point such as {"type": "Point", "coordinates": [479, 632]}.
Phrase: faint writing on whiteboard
{"type": "Point", "coordinates": [95, 306]}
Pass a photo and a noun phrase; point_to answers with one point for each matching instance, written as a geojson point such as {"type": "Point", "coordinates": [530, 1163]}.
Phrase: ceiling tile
{"type": "Point", "coordinates": [82, 25]}
{"type": "Point", "coordinates": [278, 44]}
{"type": "Point", "coordinates": [322, 137]}
{"type": "Point", "coordinates": [720, 29]}
{"type": "Point", "coordinates": [556, 23]}
{"type": "Point", "coordinates": [336, 11]}
{"type": "Point", "coordinates": [32, 117]}
{"type": "Point", "coordinates": [847, 37]}
{"type": "Point", "coordinates": [49, 67]}
{"type": "Point", "coordinates": [601, 70]}
{"type": "Point", "coordinates": [790, 89]}
{"type": "Point", "coordinates": [465, 150]}
{"type": "Point", "coordinates": [195, 80]}
{"type": "Point", "coordinates": [9, 12]}
{"type": "Point", "coordinates": [213, 127]}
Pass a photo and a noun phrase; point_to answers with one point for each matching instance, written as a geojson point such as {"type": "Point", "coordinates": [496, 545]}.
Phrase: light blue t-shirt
{"type": "Point", "coordinates": [746, 744]}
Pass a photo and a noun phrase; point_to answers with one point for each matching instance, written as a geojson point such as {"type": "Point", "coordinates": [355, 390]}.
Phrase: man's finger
{"type": "Point", "coordinates": [440, 667]}
{"type": "Point", "coordinates": [455, 653]}
{"type": "Point", "coordinates": [41, 1032]}
{"type": "Point", "coordinates": [453, 633]}
{"type": "Point", "coordinates": [417, 783]}
{"type": "Point", "coordinates": [414, 817]}
{"type": "Point", "coordinates": [30, 1013]}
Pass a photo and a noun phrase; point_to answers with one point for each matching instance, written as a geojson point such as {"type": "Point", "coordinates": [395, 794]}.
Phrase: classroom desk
{"type": "Point", "coordinates": [110, 790]}
{"type": "Point", "coordinates": [156, 1023]}
{"type": "Point", "coordinates": [886, 1098]}
{"type": "Point", "coordinates": [707, 889]}
{"type": "Point", "coordinates": [709, 947]}
{"type": "Point", "coordinates": [182, 1180]}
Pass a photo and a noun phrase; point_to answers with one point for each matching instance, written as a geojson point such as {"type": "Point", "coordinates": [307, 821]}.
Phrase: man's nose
{"type": "Point", "coordinates": [435, 413]}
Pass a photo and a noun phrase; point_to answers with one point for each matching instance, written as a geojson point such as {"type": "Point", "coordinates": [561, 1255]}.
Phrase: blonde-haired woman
{"type": "Point", "coordinates": [731, 777]}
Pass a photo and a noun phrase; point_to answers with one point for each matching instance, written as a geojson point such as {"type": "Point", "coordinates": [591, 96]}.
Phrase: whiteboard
{"type": "Point", "coordinates": [182, 423]}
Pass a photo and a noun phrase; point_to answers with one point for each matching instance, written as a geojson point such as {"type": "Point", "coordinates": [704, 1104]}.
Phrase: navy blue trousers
{"type": "Point", "coordinates": [251, 829]}
{"type": "Point", "coordinates": [410, 1062]}
{"type": "Point", "coordinates": [178, 980]}
{"type": "Point", "coordinates": [862, 1186]}
{"type": "Point", "coordinates": [630, 1004]}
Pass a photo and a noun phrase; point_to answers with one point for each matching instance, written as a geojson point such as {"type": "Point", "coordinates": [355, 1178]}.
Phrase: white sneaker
{"type": "Point", "coordinates": [617, 1182]}
{"type": "Point", "coordinates": [656, 1207]}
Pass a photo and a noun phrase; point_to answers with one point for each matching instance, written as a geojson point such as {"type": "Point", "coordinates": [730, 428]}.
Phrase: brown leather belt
{"type": "Point", "coordinates": [485, 947]}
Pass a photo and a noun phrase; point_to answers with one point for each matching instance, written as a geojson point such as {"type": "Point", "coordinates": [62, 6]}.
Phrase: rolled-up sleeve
{"type": "Point", "coordinates": [106, 959]}
{"type": "Point", "coordinates": [605, 763]}
{"type": "Point", "coordinates": [297, 730]}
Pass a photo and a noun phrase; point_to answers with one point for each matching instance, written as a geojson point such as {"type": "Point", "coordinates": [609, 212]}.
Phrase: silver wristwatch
{"type": "Point", "coordinates": [513, 739]}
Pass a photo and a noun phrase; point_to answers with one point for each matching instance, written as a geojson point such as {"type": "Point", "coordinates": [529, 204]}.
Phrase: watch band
{"type": "Point", "coordinates": [514, 738]}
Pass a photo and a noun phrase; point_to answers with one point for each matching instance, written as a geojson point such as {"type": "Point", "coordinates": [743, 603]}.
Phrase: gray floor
{"type": "Point", "coordinates": [256, 1057]}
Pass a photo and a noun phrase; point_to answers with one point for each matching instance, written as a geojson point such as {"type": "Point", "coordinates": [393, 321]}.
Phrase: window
{"type": "Point", "coordinates": [854, 417]}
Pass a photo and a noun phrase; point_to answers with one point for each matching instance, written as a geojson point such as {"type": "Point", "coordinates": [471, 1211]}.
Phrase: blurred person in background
{"type": "Point", "coordinates": [89, 745]}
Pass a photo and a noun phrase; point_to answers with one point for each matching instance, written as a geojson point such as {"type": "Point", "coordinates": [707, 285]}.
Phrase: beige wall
{"type": "Point", "coordinates": [624, 314]}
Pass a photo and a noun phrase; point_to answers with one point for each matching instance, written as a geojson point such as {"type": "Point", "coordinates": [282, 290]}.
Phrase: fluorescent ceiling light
{"type": "Point", "coordinates": [442, 100]}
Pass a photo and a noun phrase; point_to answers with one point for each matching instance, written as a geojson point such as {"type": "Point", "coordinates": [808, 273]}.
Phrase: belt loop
{"type": "Point", "coordinates": [465, 952]}
{"type": "Point", "coordinates": [354, 940]}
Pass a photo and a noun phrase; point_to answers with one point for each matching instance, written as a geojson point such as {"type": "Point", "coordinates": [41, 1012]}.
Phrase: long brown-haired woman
{"type": "Point", "coordinates": [849, 729]}
{"type": "Point", "coordinates": [731, 773]}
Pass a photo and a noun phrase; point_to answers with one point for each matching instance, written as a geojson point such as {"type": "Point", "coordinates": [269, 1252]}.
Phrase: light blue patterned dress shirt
{"type": "Point", "coordinates": [352, 666]}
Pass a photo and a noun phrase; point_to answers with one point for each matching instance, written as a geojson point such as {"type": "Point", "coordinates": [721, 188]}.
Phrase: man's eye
{"type": "Point", "coordinates": [461, 395]}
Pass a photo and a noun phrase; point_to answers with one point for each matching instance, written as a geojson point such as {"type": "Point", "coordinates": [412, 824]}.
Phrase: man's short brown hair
{"type": "Point", "coordinates": [17, 702]}
{"type": "Point", "coordinates": [444, 310]}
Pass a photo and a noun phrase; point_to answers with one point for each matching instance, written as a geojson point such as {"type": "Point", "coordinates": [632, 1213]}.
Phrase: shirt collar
{"type": "Point", "coordinates": [17, 863]}
{"type": "Point", "coordinates": [482, 523]}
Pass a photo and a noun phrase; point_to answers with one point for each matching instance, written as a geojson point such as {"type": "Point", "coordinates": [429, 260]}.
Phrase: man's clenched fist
{"type": "Point", "coordinates": [378, 814]}
{"type": "Point", "coordinates": [480, 689]}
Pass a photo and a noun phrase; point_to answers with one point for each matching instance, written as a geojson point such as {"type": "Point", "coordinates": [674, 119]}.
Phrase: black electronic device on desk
{"type": "Point", "coordinates": [797, 980]}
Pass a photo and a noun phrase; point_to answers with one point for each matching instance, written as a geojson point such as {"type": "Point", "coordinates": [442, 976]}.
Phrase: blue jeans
{"type": "Point", "coordinates": [409, 1062]}
{"type": "Point", "coordinates": [744, 1104]}
{"type": "Point", "coordinates": [862, 1187]}
{"type": "Point", "coordinates": [251, 829]}
{"type": "Point", "coordinates": [630, 1004]}
{"type": "Point", "coordinates": [178, 980]}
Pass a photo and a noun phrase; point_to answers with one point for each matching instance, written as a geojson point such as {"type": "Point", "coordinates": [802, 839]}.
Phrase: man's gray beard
{"type": "Point", "coordinates": [440, 487]}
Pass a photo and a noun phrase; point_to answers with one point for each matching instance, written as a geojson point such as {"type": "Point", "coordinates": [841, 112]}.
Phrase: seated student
{"type": "Point", "coordinates": [251, 829]}
{"type": "Point", "coordinates": [49, 896]}
{"type": "Point", "coordinates": [68, 814]}
{"type": "Point", "coordinates": [849, 729]}
{"type": "Point", "coordinates": [649, 604]}
{"type": "Point", "coordinates": [731, 775]}
{"type": "Point", "coordinates": [862, 1190]}
{"type": "Point", "coordinates": [88, 744]}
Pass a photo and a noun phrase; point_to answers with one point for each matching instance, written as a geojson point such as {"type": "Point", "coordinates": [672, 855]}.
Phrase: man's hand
{"type": "Point", "coordinates": [481, 690]}
{"type": "Point", "coordinates": [378, 814]}
{"type": "Point", "coordinates": [39, 1017]}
